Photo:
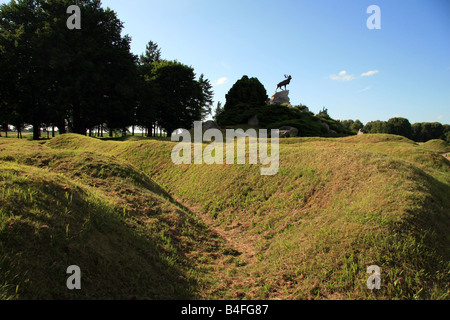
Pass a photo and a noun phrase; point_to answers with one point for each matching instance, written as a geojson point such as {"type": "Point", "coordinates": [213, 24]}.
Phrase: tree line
{"type": "Point", "coordinates": [87, 80]}
{"type": "Point", "coordinates": [418, 132]}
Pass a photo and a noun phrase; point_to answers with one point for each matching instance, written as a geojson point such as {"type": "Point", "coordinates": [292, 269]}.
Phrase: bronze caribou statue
{"type": "Point", "coordinates": [284, 83]}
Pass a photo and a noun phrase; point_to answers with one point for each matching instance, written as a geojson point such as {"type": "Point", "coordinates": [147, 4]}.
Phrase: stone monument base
{"type": "Point", "coordinates": [281, 97]}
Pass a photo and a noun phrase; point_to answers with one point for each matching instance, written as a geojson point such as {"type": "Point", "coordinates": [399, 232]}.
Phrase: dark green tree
{"type": "Point", "coordinates": [180, 95]}
{"type": "Point", "coordinates": [208, 95]}
{"type": "Point", "coordinates": [435, 130]}
{"type": "Point", "coordinates": [152, 54]}
{"type": "Point", "coordinates": [245, 95]}
{"type": "Point", "coordinates": [446, 134]}
{"type": "Point", "coordinates": [425, 131]}
{"type": "Point", "coordinates": [376, 127]}
{"type": "Point", "coordinates": [416, 129]}
{"type": "Point", "coordinates": [25, 56]}
{"type": "Point", "coordinates": [80, 77]}
{"type": "Point", "coordinates": [356, 126]}
{"type": "Point", "coordinates": [246, 91]}
{"type": "Point", "coordinates": [347, 123]}
{"type": "Point", "coordinates": [147, 94]}
{"type": "Point", "coordinates": [95, 67]}
{"type": "Point", "coordinates": [147, 91]}
{"type": "Point", "coordinates": [400, 126]}
{"type": "Point", "coordinates": [218, 110]}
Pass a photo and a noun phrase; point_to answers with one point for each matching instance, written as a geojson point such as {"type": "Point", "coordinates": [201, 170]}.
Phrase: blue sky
{"type": "Point", "coordinates": [335, 60]}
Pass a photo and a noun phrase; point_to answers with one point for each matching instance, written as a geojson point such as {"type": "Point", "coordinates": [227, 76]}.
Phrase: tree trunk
{"type": "Point", "coordinates": [36, 132]}
{"type": "Point", "coordinates": [78, 122]}
{"type": "Point", "coordinates": [61, 127]}
{"type": "Point", "coordinates": [53, 131]}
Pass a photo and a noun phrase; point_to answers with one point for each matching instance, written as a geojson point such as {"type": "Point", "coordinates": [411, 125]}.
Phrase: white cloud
{"type": "Point", "coordinates": [370, 73]}
{"type": "Point", "coordinates": [221, 81]}
{"type": "Point", "coordinates": [344, 76]}
{"type": "Point", "coordinates": [439, 118]}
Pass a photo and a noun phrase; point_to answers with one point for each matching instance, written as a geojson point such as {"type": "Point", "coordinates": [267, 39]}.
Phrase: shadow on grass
{"type": "Point", "coordinates": [41, 239]}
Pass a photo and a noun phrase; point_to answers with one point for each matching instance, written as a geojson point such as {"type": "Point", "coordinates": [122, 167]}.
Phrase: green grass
{"type": "Point", "coordinates": [139, 226]}
{"type": "Point", "coordinates": [59, 208]}
{"type": "Point", "coordinates": [437, 145]}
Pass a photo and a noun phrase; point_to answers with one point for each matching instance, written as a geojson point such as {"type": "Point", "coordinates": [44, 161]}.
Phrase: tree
{"type": "Point", "coordinates": [356, 126]}
{"type": "Point", "coordinates": [147, 93]}
{"type": "Point", "coordinates": [208, 95]}
{"type": "Point", "coordinates": [169, 95]}
{"type": "Point", "coordinates": [352, 125]}
{"type": "Point", "coordinates": [146, 108]}
{"type": "Point", "coordinates": [246, 91]}
{"type": "Point", "coordinates": [82, 77]}
{"type": "Point", "coordinates": [425, 131]}
{"type": "Point", "coordinates": [218, 110]}
{"type": "Point", "coordinates": [245, 95]}
{"type": "Point", "coordinates": [347, 123]}
{"type": "Point", "coordinates": [433, 130]}
{"type": "Point", "coordinates": [97, 74]}
{"type": "Point", "coordinates": [152, 54]}
{"type": "Point", "coordinates": [25, 56]}
{"type": "Point", "coordinates": [416, 129]}
{"type": "Point", "coordinates": [400, 126]}
{"type": "Point", "coordinates": [180, 95]}
{"type": "Point", "coordinates": [446, 133]}
{"type": "Point", "coordinates": [376, 127]}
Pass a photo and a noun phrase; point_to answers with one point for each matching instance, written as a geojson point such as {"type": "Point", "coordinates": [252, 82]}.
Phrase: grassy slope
{"type": "Point", "coordinates": [436, 145]}
{"type": "Point", "coordinates": [59, 208]}
{"type": "Point", "coordinates": [336, 207]}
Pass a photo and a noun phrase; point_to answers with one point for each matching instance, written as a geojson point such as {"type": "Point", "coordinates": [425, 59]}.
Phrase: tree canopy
{"type": "Point", "coordinates": [248, 91]}
{"type": "Point", "coordinates": [400, 126]}
{"type": "Point", "coordinates": [246, 94]}
{"type": "Point", "coordinates": [419, 132]}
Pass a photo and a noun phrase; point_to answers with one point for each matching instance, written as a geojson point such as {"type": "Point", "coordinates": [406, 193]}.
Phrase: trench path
{"type": "Point", "coordinates": [243, 248]}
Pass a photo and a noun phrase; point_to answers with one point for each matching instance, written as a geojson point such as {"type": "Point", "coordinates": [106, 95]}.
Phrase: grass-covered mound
{"type": "Point", "coordinates": [336, 207]}
{"type": "Point", "coordinates": [437, 145]}
{"type": "Point", "coordinates": [70, 207]}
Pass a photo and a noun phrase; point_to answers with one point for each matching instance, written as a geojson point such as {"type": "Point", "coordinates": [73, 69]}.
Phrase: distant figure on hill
{"type": "Point", "coordinates": [361, 132]}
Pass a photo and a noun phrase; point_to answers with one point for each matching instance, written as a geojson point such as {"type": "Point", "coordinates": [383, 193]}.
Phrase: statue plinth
{"type": "Point", "coordinates": [281, 97]}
